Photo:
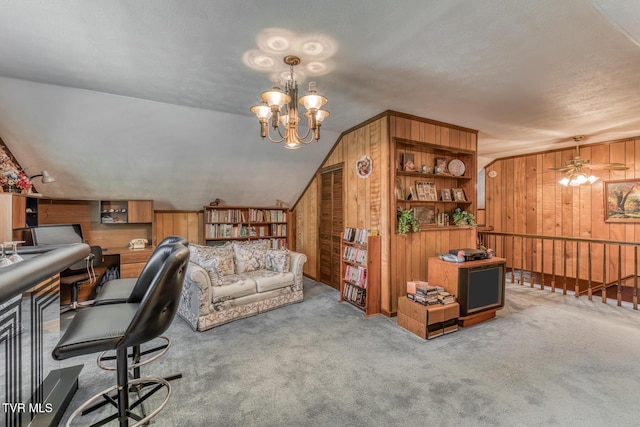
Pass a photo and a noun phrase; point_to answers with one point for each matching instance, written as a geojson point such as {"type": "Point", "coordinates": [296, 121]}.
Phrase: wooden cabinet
{"type": "Point", "coordinates": [360, 270]}
{"type": "Point", "coordinates": [140, 211]}
{"type": "Point", "coordinates": [126, 211]}
{"type": "Point", "coordinates": [18, 211]}
{"type": "Point", "coordinates": [223, 223]}
{"type": "Point", "coordinates": [434, 191]}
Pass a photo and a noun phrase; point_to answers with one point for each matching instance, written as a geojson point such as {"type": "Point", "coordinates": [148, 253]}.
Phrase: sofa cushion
{"type": "Point", "coordinates": [250, 256]}
{"type": "Point", "coordinates": [269, 280]}
{"type": "Point", "coordinates": [216, 260]}
{"type": "Point", "coordinates": [233, 286]}
{"type": "Point", "coordinates": [278, 260]}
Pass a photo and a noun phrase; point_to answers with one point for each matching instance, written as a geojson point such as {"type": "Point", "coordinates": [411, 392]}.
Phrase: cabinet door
{"type": "Point", "coordinates": [19, 212]}
{"type": "Point", "coordinates": [140, 210]}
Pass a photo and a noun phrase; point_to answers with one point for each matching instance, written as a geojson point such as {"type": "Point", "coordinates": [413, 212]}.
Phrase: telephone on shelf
{"type": "Point", "coordinates": [138, 244]}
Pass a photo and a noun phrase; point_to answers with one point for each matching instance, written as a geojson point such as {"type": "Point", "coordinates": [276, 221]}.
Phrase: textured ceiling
{"type": "Point", "coordinates": [150, 98]}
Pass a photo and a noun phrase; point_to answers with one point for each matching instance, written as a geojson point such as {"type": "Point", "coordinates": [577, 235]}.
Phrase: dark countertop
{"type": "Point", "coordinates": [40, 262]}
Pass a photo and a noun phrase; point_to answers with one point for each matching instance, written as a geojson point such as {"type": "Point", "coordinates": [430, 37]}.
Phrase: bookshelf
{"type": "Point", "coordinates": [360, 269]}
{"type": "Point", "coordinates": [226, 223]}
{"type": "Point", "coordinates": [442, 179]}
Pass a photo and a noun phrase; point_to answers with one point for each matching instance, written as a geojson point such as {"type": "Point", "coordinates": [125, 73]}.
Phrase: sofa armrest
{"type": "Point", "coordinates": [297, 264]}
{"type": "Point", "coordinates": [196, 294]}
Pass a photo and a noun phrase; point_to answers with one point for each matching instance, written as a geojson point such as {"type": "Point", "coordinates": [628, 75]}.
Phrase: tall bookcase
{"type": "Point", "coordinates": [360, 270]}
{"type": "Point", "coordinates": [224, 223]}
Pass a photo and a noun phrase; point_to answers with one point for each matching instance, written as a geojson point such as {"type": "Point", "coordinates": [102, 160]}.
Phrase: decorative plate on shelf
{"type": "Point", "coordinates": [456, 167]}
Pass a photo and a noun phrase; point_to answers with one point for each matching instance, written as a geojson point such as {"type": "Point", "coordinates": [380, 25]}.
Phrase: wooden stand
{"type": "Point", "coordinates": [447, 275]}
{"type": "Point", "coordinates": [427, 321]}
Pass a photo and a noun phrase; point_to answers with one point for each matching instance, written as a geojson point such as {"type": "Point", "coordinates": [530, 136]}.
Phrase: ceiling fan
{"type": "Point", "coordinates": [578, 170]}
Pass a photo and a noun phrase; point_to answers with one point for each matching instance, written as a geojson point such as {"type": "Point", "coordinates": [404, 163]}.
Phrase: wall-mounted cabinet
{"type": "Point", "coordinates": [434, 180]}
{"type": "Point", "coordinates": [126, 211]}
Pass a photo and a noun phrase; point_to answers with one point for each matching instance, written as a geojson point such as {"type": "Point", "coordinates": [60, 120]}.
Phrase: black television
{"type": "Point", "coordinates": [480, 288]}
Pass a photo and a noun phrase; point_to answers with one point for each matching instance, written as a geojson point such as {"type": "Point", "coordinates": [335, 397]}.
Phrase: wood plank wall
{"type": "Point", "coordinates": [369, 202]}
{"type": "Point", "coordinates": [525, 197]}
{"type": "Point", "coordinates": [181, 223]}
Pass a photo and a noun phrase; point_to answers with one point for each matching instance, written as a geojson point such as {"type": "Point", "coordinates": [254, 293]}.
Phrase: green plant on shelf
{"type": "Point", "coordinates": [407, 222]}
{"type": "Point", "coordinates": [463, 218]}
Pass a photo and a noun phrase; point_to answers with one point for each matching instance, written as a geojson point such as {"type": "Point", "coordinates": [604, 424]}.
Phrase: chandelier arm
{"type": "Point", "coordinates": [282, 137]}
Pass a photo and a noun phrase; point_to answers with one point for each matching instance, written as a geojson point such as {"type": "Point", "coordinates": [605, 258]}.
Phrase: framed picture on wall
{"type": "Point", "coordinates": [398, 190]}
{"type": "Point", "coordinates": [622, 200]}
{"type": "Point", "coordinates": [446, 195]}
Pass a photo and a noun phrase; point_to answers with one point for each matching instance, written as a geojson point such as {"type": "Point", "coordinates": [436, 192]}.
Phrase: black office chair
{"type": "Point", "coordinates": [79, 273]}
{"type": "Point", "coordinates": [118, 291]}
{"type": "Point", "coordinates": [120, 326]}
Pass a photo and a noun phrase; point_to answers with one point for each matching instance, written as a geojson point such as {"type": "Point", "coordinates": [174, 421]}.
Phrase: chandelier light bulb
{"type": "Point", "coordinates": [262, 111]}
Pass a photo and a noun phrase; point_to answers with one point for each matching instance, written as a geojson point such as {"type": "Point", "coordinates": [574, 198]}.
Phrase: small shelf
{"type": "Point", "coordinates": [417, 174]}
{"type": "Point", "coordinates": [360, 261]}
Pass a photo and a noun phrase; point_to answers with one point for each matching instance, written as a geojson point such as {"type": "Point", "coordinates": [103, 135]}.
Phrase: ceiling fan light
{"type": "Point", "coordinates": [592, 179]}
{"type": "Point", "coordinates": [564, 181]}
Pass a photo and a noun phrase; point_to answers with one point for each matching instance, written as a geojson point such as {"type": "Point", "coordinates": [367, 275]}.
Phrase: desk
{"type": "Point", "coordinates": [131, 261]}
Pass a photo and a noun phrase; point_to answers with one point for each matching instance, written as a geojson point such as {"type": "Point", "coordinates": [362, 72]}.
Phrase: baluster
{"type": "Point", "coordinates": [635, 277]}
{"type": "Point", "coordinates": [531, 278]}
{"type": "Point", "coordinates": [577, 285]}
{"type": "Point", "coordinates": [604, 273]}
{"type": "Point", "coordinates": [589, 291]}
{"type": "Point", "coordinates": [553, 266]}
{"type": "Point", "coordinates": [521, 261]}
{"type": "Point", "coordinates": [619, 275]}
{"type": "Point", "coordinates": [564, 267]}
{"type": "Point", "coordinates": [513, 251]}
{"type": "Point", "coordinates": [542, 263]}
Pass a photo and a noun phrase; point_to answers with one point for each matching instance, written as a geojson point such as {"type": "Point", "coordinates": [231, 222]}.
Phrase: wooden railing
{"type": "Point", "coordinates": [592, 265]}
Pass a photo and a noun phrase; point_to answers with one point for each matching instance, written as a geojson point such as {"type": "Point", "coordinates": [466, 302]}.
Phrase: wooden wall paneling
{"type": "Point", "coordinates": [599, 229]}
{"type": "Point", "coordinates": [386, 217]}
{"type": "Point", "coordinates": [636, 168]}
{"type": "Point", "coordinates": [616, 230]}
{"type": "Point", "coordinates": [629, 228]}
{"type": "Point", "coordinates": [539, 209]}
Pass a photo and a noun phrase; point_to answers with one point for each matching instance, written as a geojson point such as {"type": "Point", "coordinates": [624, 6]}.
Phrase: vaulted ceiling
{"type": "Point", "coordinates": [151, 98]}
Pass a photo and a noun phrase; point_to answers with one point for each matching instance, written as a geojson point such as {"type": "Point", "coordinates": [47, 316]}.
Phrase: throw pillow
{"type": "Point", "coordinates": [278, 260]}
{"type": "Point", "coordinates": [250, 256]}
{"type": "Point", "coordinates": [216, 260]}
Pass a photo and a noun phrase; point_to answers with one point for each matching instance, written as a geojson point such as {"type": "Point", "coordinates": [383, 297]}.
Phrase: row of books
{"type": "Point", "coordinates": [226, 231]}
{"type": "Point", "coordinates": [356, 274]}
{"type": "Point", "coordinates": [429, 295]}
{"type": "Point", "coordinates": [240, 215]}
{"type": "Point", "coordinates": [354, 254]}
{"type": "Point", "coordinates": [267, 215]}
{"type": "Point", "coordinates": [354, 294]}
{"type": "Point", "coordinates": [225, 215]}
{"type": "Point", "coordinates": [274, 243]}
{"type": "Point", "coordinates": [356, 235]}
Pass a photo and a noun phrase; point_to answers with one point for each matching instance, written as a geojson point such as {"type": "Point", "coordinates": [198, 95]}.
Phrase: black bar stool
{"type": "Point", "coordinates": [120, 326]}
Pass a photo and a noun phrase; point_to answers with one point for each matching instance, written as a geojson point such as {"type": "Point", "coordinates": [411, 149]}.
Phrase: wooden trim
{"type": "Point", "coordinates": [178, 211]}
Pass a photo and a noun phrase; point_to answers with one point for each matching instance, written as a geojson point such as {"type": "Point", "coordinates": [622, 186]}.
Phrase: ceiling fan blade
{"type": "Point", "coordinates": [563, 168]}
{"type": "Point", "coordinates": [610, 166]}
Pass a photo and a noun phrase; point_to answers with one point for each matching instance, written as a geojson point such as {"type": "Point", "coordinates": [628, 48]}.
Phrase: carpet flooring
{"type": "Point", "coordinates": [545, 360]}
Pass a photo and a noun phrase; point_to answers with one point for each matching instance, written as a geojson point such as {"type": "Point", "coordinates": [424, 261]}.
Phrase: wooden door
{"type": "Point", "coordinates": [331, 201]}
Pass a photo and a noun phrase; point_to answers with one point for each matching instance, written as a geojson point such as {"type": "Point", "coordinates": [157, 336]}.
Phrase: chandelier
{"type": "Point", "coordinates": [282, 108]}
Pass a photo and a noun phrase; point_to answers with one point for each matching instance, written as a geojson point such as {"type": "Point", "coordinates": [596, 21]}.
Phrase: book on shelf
{"type": "Point", "coordinates": [356, 235]}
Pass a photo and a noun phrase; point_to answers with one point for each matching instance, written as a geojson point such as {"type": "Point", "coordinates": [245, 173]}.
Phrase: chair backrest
{"type": "Point", "coordinates": [151, 267]}
{"type": "Point", "coordinates": [158, 308]}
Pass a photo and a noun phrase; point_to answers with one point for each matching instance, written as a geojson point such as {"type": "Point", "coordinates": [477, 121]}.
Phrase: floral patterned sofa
{"type": "Point", "coordinates": [237, 280]}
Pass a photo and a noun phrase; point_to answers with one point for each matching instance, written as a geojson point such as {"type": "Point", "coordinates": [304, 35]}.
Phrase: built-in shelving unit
{"type": "Point", "coordinates": [431, 189]}
{"type": "Point", "coordinates": [224, 223]}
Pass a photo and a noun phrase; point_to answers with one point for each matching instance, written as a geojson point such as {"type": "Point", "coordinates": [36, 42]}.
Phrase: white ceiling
{"type": "Point", "coordinates": [150, 98]}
